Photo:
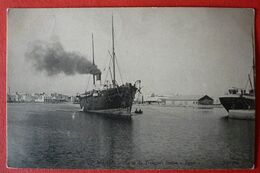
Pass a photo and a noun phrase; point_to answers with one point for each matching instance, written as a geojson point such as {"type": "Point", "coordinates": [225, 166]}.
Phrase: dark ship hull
{"type": "Point", "coordinates": [239, 106]}
{"type": "Point", "coordinates": [112, 101]}
{"type": "Point", "coordinates": [238, 102]}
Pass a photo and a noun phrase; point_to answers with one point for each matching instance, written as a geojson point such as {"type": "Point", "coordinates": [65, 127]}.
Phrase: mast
{"type": "Point", "coordinates": [253, 46]}
{"type": "Point", "coordinates": [93, 56]}
{"type": "Point", "coordinates": [113, 55]}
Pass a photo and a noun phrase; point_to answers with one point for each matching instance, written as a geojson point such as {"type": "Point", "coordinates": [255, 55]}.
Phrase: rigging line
{"type": "Point", "coordinates": [110, 73]}
{"type": "Point", "coordinates": [107, 72]}
{"type": "Point", "coordinates": [246, 84]}
{"type": "Point", "coordinates": [108, 64]}
{"type": "Point", "coordinates": [250, 82]}
{"type": "Point", "coordinates": [247, 81]}
{"type": "Point", "coordinates": [252, 71]}
{"type": "Point", "coordinates": [114, 60]}
{"type": "Point", "coordinates": [119, 69]}
{"type": "Point", "coordinates": [106, 77]}
{"type": "Point", "coordinates": [249, 76]}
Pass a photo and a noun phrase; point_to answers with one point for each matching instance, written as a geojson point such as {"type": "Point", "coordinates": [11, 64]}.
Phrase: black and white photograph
{"type": "Point", "coordinates": [131, 88]}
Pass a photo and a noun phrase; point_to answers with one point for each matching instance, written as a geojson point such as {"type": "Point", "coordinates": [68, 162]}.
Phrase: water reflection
{"type": "Point", "coordinates": [108, 139]}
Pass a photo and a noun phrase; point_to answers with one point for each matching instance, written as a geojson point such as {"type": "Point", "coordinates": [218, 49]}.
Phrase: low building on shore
{"type": "Point", "coordinates": [39, 98]}
{"type": "Point", "coordinates": [153, 100]}
{"type": "Point", "coordinates": [42, 97]}
{"type": "Point", "coordinates": [11, 97]}
{"type": "Point", "coordinates": [59, 98]}
{"type": "Point", "coordinates": [19, 97]}
{"type": "Point", "coordinates": [148, 99]}
{"type": "Point", "coordinates": [187, 100]}
{"type": "Point", "coordinates": [25, 97]}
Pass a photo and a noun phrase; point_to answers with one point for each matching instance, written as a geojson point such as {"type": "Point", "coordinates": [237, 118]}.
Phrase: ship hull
{"type": "Point", "coordinates": [119, 112]}
{"type": "Point", "coordinates": [114, 101]}
{"type": "Point", "coordinates": [239, 107]}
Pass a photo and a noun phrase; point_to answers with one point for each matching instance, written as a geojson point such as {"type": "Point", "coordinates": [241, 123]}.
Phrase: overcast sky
{"type": "Point", "coordinates": [172, 50]}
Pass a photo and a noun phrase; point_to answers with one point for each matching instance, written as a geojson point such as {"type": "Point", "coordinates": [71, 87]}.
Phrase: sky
{"type": "Point", "coordinates": [185, 51]}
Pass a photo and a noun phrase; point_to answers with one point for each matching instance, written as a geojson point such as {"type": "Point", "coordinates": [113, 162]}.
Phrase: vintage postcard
{"type": "Point", "coordinates": [131, 88]}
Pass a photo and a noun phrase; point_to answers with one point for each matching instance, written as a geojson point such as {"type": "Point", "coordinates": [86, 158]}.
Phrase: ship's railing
{"type": "Point", "coordinates": [240, 91]}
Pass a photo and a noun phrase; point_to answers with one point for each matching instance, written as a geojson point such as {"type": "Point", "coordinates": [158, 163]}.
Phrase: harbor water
{"type": "Point", "coordinates": [62, 136]}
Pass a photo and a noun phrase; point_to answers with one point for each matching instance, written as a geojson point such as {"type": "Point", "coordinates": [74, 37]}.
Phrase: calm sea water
{"type": "Point", "coordinates": [61, 136]}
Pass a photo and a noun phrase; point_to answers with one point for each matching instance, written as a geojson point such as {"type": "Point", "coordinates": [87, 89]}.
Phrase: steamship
{"type": "Point", "coordinates": [112, 98]}
{"type": "Point", "coordinates": [240, 103]}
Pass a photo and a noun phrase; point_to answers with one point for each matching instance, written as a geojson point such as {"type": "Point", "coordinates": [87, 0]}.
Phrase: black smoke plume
{"type": "Point", "coordinates": [53, 59]}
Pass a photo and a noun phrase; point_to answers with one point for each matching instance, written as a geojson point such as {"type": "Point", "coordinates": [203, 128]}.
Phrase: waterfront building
{"type": "Point", "coordinates": [40, 98]}
{"type": "Point", "coordinates": [11, 98]}
{"type": "Point", "coordinates": [187, 100]}
{"type": "Point", "coordinates": [153, 99]}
